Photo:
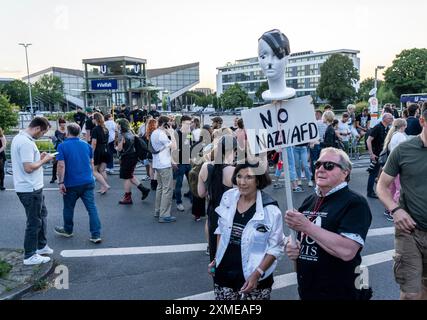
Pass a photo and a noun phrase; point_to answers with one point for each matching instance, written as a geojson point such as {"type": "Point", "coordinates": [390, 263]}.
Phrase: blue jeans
{"type": "Point", "coordinates": [301, 158]}
{"type": "Point", "coordinates": [86, 193]}
{"type": "Point", "coordinates": [314, 155]}
{"type": "Point", "coordinates": [291, 161]}
{"type": "Point", "coordinates": [183, 169]}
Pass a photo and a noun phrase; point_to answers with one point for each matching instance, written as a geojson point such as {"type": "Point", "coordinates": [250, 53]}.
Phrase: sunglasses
{"type": "Point", "coordinates": [327, 165]}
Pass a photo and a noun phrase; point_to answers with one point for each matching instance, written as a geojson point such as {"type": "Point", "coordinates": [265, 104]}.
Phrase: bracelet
{"type": "Point", "coordinates": [59, 183]}
{"type": "Point", "coordinates": [395, 209]}
{"type": "Point", "coordinates": [260, 271]}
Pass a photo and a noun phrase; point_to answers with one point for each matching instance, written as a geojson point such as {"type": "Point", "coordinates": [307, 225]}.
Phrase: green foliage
{"type": "Point", "coordinates": [235, 97]}
{"type": "Point", "coordinates": [44, 145]}
{"type": "Point", "coordinates": [386, 95]}
{"type": "Point", "coordinates": [69, 116]}
{"type": "Point", "coordinates": [365, 86]}
{"type": "Point", "coordinates": [408, 73]}
{"type": "Point", "coordinates": [263, 87]}
{"type": "Point", "coordinates": [336, 81]}
{"type": "Point", "coordinates": [8, 113]}
{"type": "Point", "coordinates": [4, 268]}
{"type": "Point", "coordinates": [17, 91]}
{"type": "Point", "coordinates": [360, 106]}
{"type": "Point", "coordinates": [49, 89]}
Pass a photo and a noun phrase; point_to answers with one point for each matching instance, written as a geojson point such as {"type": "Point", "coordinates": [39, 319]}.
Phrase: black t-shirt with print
{"type": "Point", "coordinates": [363, 120]}
{"type": "Point", "coordinates": [230, 271]}
{"type": "Point", "coordinates": [320, 275]}
{"type": "Point", "coordinates": [379, 132]}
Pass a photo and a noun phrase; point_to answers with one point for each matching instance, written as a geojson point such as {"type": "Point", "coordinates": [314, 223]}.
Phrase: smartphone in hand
{"type": "Point", "coordinates": [54, 154]}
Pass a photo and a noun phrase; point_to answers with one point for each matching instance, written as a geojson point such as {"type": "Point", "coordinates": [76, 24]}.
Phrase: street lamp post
{"type": "Point", "coordinates": [376, 81]}
{"type": "Point", "coordinates": [26, 45]}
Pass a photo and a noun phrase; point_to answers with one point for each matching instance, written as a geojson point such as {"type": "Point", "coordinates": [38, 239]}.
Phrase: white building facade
{"type": "Point", "coordinates": [302, 72]}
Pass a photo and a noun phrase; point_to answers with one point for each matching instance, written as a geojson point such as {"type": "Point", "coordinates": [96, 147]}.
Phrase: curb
{"type": "Point", "coordinates": [17, 293]}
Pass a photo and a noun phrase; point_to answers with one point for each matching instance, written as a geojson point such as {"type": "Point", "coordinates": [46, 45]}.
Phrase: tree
{"type": "Point", "coordinates": [366, 86]}
{"type": "Point", "coordinates": [386, 95]}
{"type": "Point", "coordinates": [235, 97]}
{"type": "Point", "coordinates": [49, 89]}
{"type": "Point", "coordinates": [408, 73]}
{"type": "Point", "coordinates": [263, 87]}
{"type": "Point", "coordinates": [338, 75]}
{"type": "Point", "coordinates": [17, 91]}
{"type": "Point", "coordinates": [8, 113]}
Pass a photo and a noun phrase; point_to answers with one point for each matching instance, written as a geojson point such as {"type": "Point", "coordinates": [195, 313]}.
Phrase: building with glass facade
{"type": "Point", "coordinates": [175, 81]}
{"type": "Point", "coordinates": [120, 80]}
{"type": "Point", "coordinates": [74, 86]}
{"type": "Point", "coordinates": [302, 72]}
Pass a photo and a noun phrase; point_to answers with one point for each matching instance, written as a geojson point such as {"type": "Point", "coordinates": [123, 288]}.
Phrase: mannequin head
{"type": "Point", "coordinates": [273, 47]}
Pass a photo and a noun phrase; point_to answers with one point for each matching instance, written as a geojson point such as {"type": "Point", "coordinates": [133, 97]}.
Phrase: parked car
{"type": "Point", "coordinates": [208, 110]}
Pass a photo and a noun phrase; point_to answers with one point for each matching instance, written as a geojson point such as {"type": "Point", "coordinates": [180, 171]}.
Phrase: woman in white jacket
{"type": "Point", "coordinates": [249, 237]}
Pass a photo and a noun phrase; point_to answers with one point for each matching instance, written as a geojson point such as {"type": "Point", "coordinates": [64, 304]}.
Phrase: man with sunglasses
{"type": "Point", "coordinates": [331, 226]}
{"type": "Point", "coordinates": [408, 160]}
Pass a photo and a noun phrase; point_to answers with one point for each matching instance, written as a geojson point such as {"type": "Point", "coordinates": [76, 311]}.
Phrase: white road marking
{"type": "Point", "coordinates": [168, 249]}
{"type": "Point", "coordinates": [44, 189]}
{"type": "Point", "coordinates": [290, 279]}
{"type": "Point", "coordinates": [133, 250]}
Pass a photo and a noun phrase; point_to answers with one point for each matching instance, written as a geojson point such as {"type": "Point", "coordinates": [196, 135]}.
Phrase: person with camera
{"type": "Point", "coordinates": [375, 144]}
{"type": "Point", "coordinates": [331, 226]}
{"type": "Point", "coordinates": [163, 142]}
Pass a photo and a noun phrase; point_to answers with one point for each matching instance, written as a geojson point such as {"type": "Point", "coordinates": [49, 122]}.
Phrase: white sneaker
{"type": "Point", "coordinates": [45, 250]}
{"type": "Point", "coordinates": [36, 259]}
{"type": "Point", "coordinates": [310, 183]}
{"type": "Point", "coordinates": [180, 207]}
{"type": "Point", "coordinates": [299, 182]}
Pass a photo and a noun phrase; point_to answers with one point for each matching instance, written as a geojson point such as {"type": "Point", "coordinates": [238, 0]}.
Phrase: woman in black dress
{"type": "Point", "coordinates": [100, 152]}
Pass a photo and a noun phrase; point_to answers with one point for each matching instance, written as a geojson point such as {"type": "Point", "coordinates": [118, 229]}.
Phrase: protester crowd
{"type": "Point", "coordinates": [244, 225]}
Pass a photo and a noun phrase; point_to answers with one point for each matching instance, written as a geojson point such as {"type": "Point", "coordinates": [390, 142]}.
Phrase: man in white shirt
{"type": "Point", "coordinates": [162, 141]}
{"type": "Point", "coordinates": [27, 166]}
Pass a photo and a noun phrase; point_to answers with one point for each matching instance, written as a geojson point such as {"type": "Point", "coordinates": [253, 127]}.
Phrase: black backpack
{"type": "Point", "coordinates": [141, 148]}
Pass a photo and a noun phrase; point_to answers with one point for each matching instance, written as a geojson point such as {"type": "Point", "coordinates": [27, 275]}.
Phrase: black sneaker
{"type": "Point", "coordinates": [388, 216]}
{"type": "Point", "coordinates": [95, 240]}
{"type": "Point", "coordinates": [61, 231]}
{"type": "Point", "coordinates": [145, 193]}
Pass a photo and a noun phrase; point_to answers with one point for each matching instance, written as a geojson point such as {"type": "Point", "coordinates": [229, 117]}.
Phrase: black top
{"type": "Point", "coordinates": [379, 132]}
{"type": "Point", "coordinates": [329, 140]}
{"type": "Point", "coordinates": [154, 113]}
{"type": "Point", "coordinates": [230, 271]}
{"type": "Point", "coordinates": [363, 120]}
{"type": "Point", "coordinates": [79, 118]}
{"type": "Point", "coordinates": [59, 138]}
{"type": "Point", "coordinates": [414, 127]}
{"type": "Point", "coordinates": [101, 135]}
{"type": "Point", "coordinates": [2, 154]}
{"type": "Point", "coordinates": [138, 115]}
{"type": "Point", "coordinates": [89, 124]}
{"type": "Point", "coordinates": [321, 275]}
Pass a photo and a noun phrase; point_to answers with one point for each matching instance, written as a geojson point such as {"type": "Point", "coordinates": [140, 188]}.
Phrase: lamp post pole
{"type": "Point", "coordinates": [26, 45]}
{"type": "Point", "coordinates": [376, 81]}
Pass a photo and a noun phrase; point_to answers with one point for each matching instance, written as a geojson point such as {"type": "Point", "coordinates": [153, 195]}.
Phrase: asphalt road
{"type": "Point", "coordinates": [164, 261]}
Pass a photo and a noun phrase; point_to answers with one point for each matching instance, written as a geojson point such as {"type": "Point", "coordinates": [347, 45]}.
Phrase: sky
{"type": "Point", "coordinates": [172, 32]}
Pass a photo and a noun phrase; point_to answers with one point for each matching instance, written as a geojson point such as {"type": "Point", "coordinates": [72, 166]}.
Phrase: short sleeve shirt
{"type": "Point", "coordinates": [159, 141]}
{"type": "Point", "coordinates": [378, 133]}
{"type": "Point", "coordinates": [408, 160]}
{"type": "Point", "coordinates": [24, 150]}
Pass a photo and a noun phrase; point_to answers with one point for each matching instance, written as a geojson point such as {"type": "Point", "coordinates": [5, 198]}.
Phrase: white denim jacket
{"type": "Point", "coordinates": [254, 244]}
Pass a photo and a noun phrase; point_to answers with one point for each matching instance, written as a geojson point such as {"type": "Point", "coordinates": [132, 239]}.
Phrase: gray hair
{"type": "Point", "coordinates": [344, 161]}
{"type": "Point", "coordinates": [73, 129]}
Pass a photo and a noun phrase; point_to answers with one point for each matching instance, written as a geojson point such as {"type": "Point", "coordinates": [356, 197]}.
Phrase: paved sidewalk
{"type": "Point", "coordinates": [20, 279]}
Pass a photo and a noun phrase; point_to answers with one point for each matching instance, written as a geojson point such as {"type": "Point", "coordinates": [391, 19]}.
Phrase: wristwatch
{"type": "Point", "coordinates": [59, 183]}
{"type": "Point", "coordinates": [260, 271]}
